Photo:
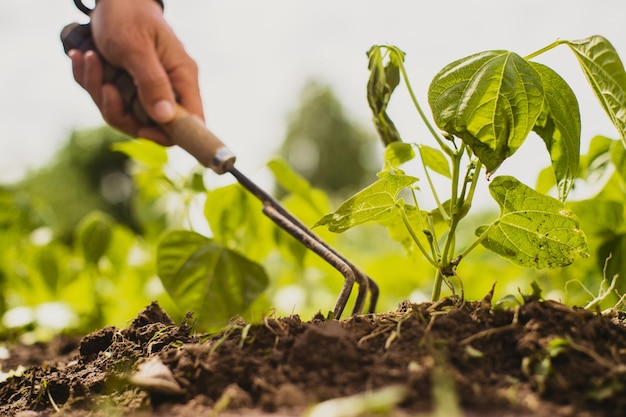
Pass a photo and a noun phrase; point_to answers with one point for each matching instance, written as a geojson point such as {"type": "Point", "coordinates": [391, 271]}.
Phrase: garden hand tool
{"type": "Point", "coordinates": [190, 133]}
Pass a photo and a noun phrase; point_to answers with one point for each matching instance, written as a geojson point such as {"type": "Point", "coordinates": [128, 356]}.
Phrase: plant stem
{"type": "Point", "coordinates": [432, 187]}
{"type": "Point", "coordinates": [544, 49]}
{"type": "Point", "coordinates": [445, 258]}
{"type": "Point", "coordinates": [479, 239]}
{"type": "Point", "coordinates": [457, 211]}
{"type": "Point", "coordinates": [430, 127]}
{"type": "Point", "coordinates": [409, 228]}
{"type": "Point", "coordinates": [436, 294]}
{"type": "Point", "coordinates": [430, 228]}
{"type": "Point", "coordinates": [474, 180]}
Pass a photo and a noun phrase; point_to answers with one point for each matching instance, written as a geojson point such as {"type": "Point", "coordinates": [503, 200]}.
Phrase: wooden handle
{"type": "Point", "coordinates": [190, 133]}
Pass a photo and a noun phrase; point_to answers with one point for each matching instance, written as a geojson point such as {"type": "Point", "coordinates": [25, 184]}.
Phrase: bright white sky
{"type": "Point", "coordinates": [254, 57]}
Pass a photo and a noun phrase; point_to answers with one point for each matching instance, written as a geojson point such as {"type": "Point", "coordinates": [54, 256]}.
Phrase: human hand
{"type": "Point", "coordinates": [134, 35]}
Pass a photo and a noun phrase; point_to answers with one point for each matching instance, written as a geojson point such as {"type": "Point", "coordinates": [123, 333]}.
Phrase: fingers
{"type": "Point", "coordinates": [87, 69]}
{"type": "Point", "coordinates": [165, 73]}
{"type": "Point", "coordinates": [185, 82]}
{"type": "Point", "coordinates": [112, 109]}
{"type": "Point", "coordinates": [153, 85]}
{"type": "Point", "coordinates": [92, 76]}
{"type": "Point", "coordinates": [77, 65]}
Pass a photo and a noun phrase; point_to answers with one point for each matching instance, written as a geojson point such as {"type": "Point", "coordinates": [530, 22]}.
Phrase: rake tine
{"type": "Point", "coordinates": [374, 293]}
{"type": "Point", "coordinates": [285, 220]}
{"type": "Point", "coordinates": [329, 256]}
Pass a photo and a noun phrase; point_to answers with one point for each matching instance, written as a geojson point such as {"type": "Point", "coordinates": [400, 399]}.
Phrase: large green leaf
{"type": "Point", "coordinates": [384, 78]}
{"type": "Point", "coordinates": [534, 230]}
{"type": "Point", "coordinates": [491, 100]}
{"type": "Point", "coordinates": [605, 72]}
{"type": "Point", "coordinates": [374, 203]}
{"type": "Point", "coordinates": [559, 127]}
{"type": "Point", "coordinates": [203, 276]}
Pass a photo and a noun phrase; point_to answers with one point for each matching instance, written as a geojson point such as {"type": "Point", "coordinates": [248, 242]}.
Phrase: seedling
{"type": "Point", "coordinates": [484, 107]}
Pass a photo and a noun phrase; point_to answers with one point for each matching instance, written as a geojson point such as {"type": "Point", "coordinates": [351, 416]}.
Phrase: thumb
{"type": "Point", "coordinates": [153, 85]}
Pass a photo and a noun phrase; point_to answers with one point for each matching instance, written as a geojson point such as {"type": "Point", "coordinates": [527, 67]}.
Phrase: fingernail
{"type": "Point", "coordinates": [163, 111]}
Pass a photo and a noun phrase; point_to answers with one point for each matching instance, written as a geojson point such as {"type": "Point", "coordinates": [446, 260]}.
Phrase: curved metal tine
{"type": "Point", "coordinates": [273, 209]}
{"type": "Point", "coordinates": [374, 293]}
{"type": "Point", "coordinates": [359, 303]}
{"type": "Point", "coordinates": [361, 278]}
{"type": "Point", "coordinates": [313, 243]}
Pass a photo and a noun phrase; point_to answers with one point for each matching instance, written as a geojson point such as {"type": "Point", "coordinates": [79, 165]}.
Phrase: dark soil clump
{"type": "Point", "coordinates": [541, 359]}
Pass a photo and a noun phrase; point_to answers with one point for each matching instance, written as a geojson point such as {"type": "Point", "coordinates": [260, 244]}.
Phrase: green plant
{"type": "Point", "coordinates": [486, 104]}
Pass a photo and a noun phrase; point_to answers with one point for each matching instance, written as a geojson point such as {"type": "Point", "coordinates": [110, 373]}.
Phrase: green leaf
{"type": "Point", "coordinates": [298, 186]}
{"type": "Point", "coordinates": [196, 181]}
{"type": "Point", "coordinates": [374, 203]}
{"type": "Point", "coordinates": [397, 153]}
{"type": "Point", "coordinates": [398, 230]}
{"type": "Point", "coordinates": [384, 78]}
{"type": "Point", "coordinates": [48, 266]}
{"type": "Point", "coordinates": [596, 161]}
{"type": "Point", "coordinates": [613, 190]}
{"type": "Point", "coordinates": [605, 73]}
{"type": "Point", "coordinates": [94, 236]}
{"type": "Point", "coordinates": [288, 178]}
{"type": "Point", "coordinates": [237, 221]}
{"type": "Point", "coordinates": [143, 151]}
{"type": "Point", "coordinates": [534, 230]}
{"type": "Point", "coordinates": [545, 180]}
{"type": "Point", "coordinates": [205, 277]}
{"type": "Point", "coordinates": [618, 158]}
{"type": "Point", "coordinates": [435, 160]}
{"type": "Point", "coordinates": [491, 100]}
{"type": "Point", "coordinates": [559, 127]}
{"type": "Point", "coordinates": [599, 217]}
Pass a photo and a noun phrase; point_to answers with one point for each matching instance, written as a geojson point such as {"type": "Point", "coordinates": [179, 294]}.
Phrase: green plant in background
{"type": "Point", "coordinates": [320, 141]}
{"type": "Point", "coordinates": [486, 105]}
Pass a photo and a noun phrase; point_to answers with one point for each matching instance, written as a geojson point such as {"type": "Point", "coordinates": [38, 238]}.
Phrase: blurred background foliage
{"type": "Point", "coordinates": [323, 145]}
{"type": "Point", "coordinates": [78, 238]}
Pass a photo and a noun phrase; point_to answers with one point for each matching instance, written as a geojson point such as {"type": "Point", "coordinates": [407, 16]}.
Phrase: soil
{"type": "Point", "coordinates": [449, 358]}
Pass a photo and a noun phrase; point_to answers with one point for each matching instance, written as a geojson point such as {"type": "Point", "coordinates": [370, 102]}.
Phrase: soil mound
{"type": "Point", "coordinates": [541, 359]}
